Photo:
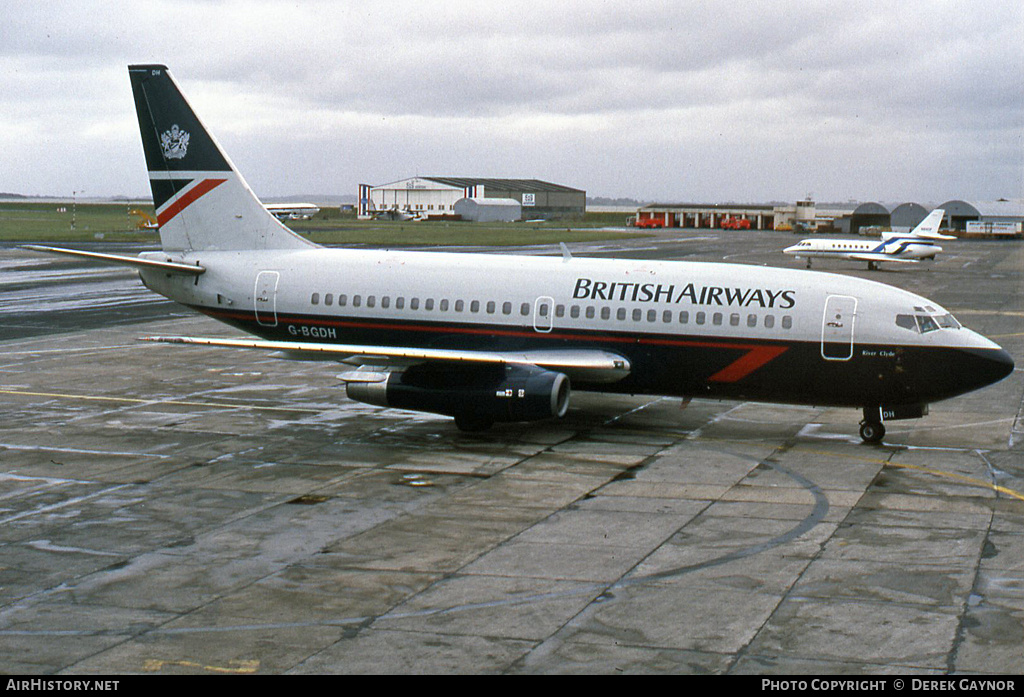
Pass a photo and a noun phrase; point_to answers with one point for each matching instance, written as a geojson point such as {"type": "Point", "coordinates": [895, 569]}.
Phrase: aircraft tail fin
{"type": "Point", "coordinates": [929, 227]}
{"type": "Point", "coordinates": [202, 202]}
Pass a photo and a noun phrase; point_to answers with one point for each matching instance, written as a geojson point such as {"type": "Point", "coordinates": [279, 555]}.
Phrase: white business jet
{"type": "Point", "coordinates": [907, 248]}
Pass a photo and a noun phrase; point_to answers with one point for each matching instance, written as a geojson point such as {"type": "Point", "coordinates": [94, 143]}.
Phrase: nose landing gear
{"type": "Point", "coordinates": [871, 428]}
{"type": "Point", "coordinates": [872, 431]}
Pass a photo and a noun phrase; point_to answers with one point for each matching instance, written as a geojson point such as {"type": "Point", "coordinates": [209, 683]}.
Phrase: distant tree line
{"type": "Point", "coordinates": [605, 201]}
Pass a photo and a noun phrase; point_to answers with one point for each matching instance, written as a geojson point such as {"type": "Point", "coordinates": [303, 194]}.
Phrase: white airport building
{"type": "Point", "coordinates": [435, 197]}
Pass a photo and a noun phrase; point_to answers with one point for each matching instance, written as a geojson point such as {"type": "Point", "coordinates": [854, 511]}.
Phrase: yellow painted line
{"type": "Point", "coordinates": [154, 402]}
{"type": "Point", "coordinates": [1003, 313]}
{"type": "Point", "coordinates": [938, 473]}
{"type": "Point", "coordinates": [959, 477]}
{"type": "Point", "coordinates": [885, 463]}
{"type": "Point", "coordinates": [154, 664]}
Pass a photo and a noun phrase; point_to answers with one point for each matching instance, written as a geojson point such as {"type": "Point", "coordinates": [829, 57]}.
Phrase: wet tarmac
{"type": "Point", "coordinates": [194, 510]}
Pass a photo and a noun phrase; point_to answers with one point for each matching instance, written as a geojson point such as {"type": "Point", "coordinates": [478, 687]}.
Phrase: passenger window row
{"type": "Point", "coordinates": [637, 314]}
{"type": "Point", "coordinates": [428, 304]}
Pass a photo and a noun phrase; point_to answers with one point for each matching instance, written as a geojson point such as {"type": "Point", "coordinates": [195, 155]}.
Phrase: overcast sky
{"type": "Point", "coordinates": [893, 100]}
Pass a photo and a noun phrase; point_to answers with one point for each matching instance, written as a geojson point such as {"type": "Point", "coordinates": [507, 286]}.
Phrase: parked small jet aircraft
{"type": "Point", "coordinates": [895, 246]}
{"type": "Point", "coordinates": [487, 338]}
{"type": "Point", "coordinates": [292, 211]}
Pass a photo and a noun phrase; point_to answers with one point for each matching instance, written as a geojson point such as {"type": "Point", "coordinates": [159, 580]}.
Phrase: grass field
{"type": "Point", "coordinates": [114, 222]}
{"type": "Point", "coordinates": [66, 222]}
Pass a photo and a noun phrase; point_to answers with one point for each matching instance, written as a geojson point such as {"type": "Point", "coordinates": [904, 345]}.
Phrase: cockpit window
{"type": "Point", "coordinates": [923, 324]}
{"type": "Point", "coordinates": [927, 324]}
{"type": "Point", "coordinates": [907, 322]}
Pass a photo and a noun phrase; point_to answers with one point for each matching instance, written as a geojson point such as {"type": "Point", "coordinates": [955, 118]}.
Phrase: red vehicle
{"type": "Point", "coordinates": [734, 223]}
{"type": "Point", "coordinates": [650, 222]}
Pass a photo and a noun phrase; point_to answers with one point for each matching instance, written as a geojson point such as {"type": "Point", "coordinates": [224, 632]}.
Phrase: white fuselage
{"type": "Point", "coordinates": [306, 278]}
{"type": "Point", "coordinates": [825, 325]}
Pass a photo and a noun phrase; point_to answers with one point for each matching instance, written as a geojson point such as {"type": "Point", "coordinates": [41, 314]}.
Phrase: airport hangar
{"type": "Point", "coordinates": [435, 197]}
{"type": "Point", "coordinates": [848, 218]}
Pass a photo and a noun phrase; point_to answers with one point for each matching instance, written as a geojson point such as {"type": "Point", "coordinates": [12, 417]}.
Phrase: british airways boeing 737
{"type": "Point", "coordinates": [895, 246]}
{"type": "Point", "coordinates": [495, 338]}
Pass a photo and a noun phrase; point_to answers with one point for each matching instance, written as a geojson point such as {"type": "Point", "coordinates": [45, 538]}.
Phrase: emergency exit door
{"type": "Point", "coordinates": [266, 298]}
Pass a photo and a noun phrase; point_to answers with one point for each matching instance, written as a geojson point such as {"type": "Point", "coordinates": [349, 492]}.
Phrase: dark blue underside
{"type": "Point", "coordinates": [684, 365]}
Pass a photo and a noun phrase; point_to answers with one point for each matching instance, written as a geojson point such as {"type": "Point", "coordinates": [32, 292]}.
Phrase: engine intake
{"type": "Point", "coordinates": [476, 396]}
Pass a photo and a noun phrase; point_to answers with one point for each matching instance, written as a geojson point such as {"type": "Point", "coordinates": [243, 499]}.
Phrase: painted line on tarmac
{"type": "Point", "coordinates": [927, 470]}
{"type": "Point", "coordinates": [77, 451]}
{"type": "Point", "coordinates": [156, 402]}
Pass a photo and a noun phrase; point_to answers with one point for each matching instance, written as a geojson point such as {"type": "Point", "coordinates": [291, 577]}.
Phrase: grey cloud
{"type": "Point", "coordinates": [708, 99]}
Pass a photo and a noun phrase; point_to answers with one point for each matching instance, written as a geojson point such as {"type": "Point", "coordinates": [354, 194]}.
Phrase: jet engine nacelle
{"type": "Point", "coordinates": [476, 396]}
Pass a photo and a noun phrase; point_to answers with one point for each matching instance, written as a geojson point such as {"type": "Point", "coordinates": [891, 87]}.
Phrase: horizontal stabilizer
{"type": "Point", "coordinates": [168, 266]}
{"type": "Point", "coordinates": [585, 364]}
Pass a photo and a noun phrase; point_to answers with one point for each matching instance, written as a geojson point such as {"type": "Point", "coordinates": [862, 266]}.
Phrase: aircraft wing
{"type": "Point", "coordinates": [867, 256]}
{"type": "Point", "coordinates": [587, 365]}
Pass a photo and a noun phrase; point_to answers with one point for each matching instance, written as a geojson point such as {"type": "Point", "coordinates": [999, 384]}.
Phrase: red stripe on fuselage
{"type": "Point", "coordinates": [756, 355]}
{"type": "Point", "coordinates": [186, 199]}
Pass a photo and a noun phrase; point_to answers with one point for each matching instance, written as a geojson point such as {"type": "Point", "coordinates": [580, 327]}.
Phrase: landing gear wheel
{"type": "Point", "coordinates": [471, 423]}
{"type": "Point", "coordinates": [872, 432]}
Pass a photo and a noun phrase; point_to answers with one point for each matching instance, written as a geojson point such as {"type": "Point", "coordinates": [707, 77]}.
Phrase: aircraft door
{"type": "Point", "coordinates": [265, 298]}
{"type": "Point", "coordinates": [543, 314]}
{"type": "Point", "coordinates": [837, 328]}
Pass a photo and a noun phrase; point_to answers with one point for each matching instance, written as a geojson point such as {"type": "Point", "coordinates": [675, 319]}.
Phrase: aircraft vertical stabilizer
{"type": "Point", "coordinates": [202, 202]}
{"type": "Point", "coordinates": [929, 227]}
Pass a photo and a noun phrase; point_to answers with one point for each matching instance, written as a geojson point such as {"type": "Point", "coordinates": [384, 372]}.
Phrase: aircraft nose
{"type": "Point", "coordinates": [987, 366]}
{"type": "Point", "coordinates": [1003, 363]}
